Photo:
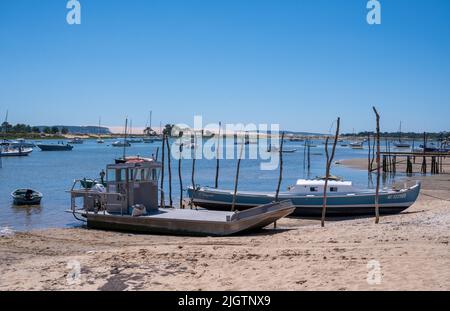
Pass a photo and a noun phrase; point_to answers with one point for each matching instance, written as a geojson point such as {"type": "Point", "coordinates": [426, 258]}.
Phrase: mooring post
{"type": "Point", "coordinates": [280, 176]}
{"type": "Point", "coordinates": [216, 183]}
{"type": "Point", "coordinates": [236, 179]}
{"type": "Point", "coordinates": [162, 203]}
{"type": "Point", "coordinates": [369, 167]}
{"type": "Point", "coordinates": [327, 172]}
{"type": "Point", "coordinates": [193, 171]}
{"type": "Point", "coordinates": [179, 174]}
{"type": "Point", "coordinates": [377, 192]}
{"type": "Point", "coordinates": [169, 167]}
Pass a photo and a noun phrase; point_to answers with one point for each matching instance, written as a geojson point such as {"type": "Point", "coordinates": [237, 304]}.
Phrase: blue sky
{"type": "Point", "coordinates": [300, 63]}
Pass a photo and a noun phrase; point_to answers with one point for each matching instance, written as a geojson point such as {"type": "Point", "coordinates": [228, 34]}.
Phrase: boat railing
{"type": "Point", "coordinates": [100, 198]}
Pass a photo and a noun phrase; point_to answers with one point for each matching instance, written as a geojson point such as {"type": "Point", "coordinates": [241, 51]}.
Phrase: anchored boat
{"type": "Point", "coordinates": [26, 197]}
{"type": "Point", "coordinates": [129, 202]}
{"type": "Point", "coordinates": [55, 147]}
{"type": "Point", "coordinates": [307, 196]}
{"type": "Point", "coordinates": [15, 151]}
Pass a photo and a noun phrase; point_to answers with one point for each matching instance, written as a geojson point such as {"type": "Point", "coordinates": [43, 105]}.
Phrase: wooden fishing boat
{"type": "Point", "coordinates": [129, 202]}
{"type": "Point", "coordinates": [55, 147]}
{"type": "Point", "coordinates": [307, 196]}
{"type": "Point", "coordinates": [26, 197]}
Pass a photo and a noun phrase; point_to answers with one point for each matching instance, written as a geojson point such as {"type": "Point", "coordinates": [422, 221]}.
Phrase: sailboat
{"type": "Point", "coordinates": [124, 143]}
{"type": "Point", "coordinates": [99, 140]}
{"type": "Point", "coordinates": [133, 140]}
{"type": "Point", "coordinates": [356, 144]}
{"type": "Point", "coordinates": [401, 144]}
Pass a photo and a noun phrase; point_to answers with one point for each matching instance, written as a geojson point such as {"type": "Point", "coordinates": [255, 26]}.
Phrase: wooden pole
{"type": "Point", "coordinates": [157, 153]}
{"type": "Point", "coordinates": [216, 183]}
{"type": "Point", "coordinates": [169, 167]}
{"type": "Point", "coordinates": [369, 167]}
{"type": "Point", "coordinates": [280, 176]}
{"type": "Point", "coordinates": [125, 139]}
{"type": "Point", "coordinates": [377, 193]}
{"type": "Point", "coordinates": [179, 175]}
{"type": "Point", "coordinates": [328, 167]}
{"type": "Point", "coordinates": [162, 204]}
{"type": "Point", "coordinates": [236, 179]}
{"type": "Point", "coordinates": [193, 171]}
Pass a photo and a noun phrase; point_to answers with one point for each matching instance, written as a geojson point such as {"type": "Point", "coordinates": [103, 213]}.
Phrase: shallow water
{"type": "Point", "coordinates": [52, 173]}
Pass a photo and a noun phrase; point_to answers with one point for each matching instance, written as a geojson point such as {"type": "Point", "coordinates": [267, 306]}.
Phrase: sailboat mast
{"type": "Point", "coordinates": [125, 139]}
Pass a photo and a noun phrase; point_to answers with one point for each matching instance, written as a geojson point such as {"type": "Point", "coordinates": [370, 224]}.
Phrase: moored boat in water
{"type": "Point", "coordinates": [26, 197]}
{"type": "Point", "coordinates": [8, 151]}
{"type": "Point", "coordinates": [343, 200]}
{"type": "Point", "coordinates": [55, 147]}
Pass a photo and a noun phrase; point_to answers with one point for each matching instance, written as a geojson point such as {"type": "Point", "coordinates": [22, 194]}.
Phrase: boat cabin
{"type": "Point", "coordinates": [314, 187]}
{"type": "Point", "coordinates": [130, 183]}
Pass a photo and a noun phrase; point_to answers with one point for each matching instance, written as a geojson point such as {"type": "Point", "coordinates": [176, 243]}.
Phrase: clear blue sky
{"type": "Point", "coordinates": [300, 63]}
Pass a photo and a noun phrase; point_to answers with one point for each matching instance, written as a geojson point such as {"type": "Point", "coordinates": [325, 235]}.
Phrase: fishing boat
{"type": "Point", "coordinates": [357, 145]}
{"type": "Point", "coordinates": [8, 151]}
{"type": "Point", "coordinates": [121, 143]}
{"type": "Point", "coordinates": [75, 140]}
{"type": "Point", "coordinates": [55, 147]}
{"type": "Point", "coordinates": [26, 197]}
{"type": "Point", "coordinates": [343, 199]}
{"type": "Point", "coordinates": [129, 202]}
{"type": "Point", "coordinates": [276, 149]}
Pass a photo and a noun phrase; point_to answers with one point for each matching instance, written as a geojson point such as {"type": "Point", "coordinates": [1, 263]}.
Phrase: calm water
{"type": "Point", "coordinates": [52, 173]}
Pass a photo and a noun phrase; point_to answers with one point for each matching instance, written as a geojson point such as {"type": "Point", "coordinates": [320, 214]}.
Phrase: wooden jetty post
{"type": "Point", "coordinates": [216, 182]}
{"type": "Point", "coordinates": [162, 204]}
{"type": "Point", "coordinates": [236, 179]}
{"type": "Point", "coordinates": [377, 193]}
{"type": "Point", "coordinates": [328, 167]}
{"type": "Point", "coordinates": [179, 175]}
{"type": "Point", "coordinates": [169, 168]}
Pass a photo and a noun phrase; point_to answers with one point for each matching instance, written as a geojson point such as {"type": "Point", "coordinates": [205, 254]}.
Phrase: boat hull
{"type": "Point", "coordinates": [311, 206]}
{"type": "Point", "coordinates": [192, 222]}
{"type": "Point", "coordinates": [22, 153]}
{"type": "Point", "coordinates": [55, 147]}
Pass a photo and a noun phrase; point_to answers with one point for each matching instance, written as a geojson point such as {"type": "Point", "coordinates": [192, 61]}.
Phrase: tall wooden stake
{"type": "Point", "coordinates": [236, 179]}
{"type": "Point", "coordinates": [169, 167]}
{"type": "Point", "coordinates": [327, 174]}
{"type": "Point", "coordinates": [280, 176]}
{"type": "Point", "coordinates": [193, 171]}
{"type": "Point", "coordinates": [369, 167]}
{"type": "Point", "coordinates": [179, 175]}
{"type": "Point", "coordinates": [216, 184]}
{"type": "Point", "coordinates": [162, 204]}
{"type": "Point", "coordinates": [377, 193]}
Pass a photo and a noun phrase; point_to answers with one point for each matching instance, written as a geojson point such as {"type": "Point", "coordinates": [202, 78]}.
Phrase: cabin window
{"type": "Point", "coordinates": [333, 189]}
{"type": "Point", "coordinates": [313, 189]}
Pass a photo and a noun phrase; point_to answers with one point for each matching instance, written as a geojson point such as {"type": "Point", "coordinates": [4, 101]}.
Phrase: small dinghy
{"type": "Point", "coordinates": [129, 202]}
{"type": "Point", "coordinates": [26, 197]}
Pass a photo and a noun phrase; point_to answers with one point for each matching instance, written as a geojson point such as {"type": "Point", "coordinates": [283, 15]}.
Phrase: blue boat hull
{"type": "Point", "coordinates": [344, 205]}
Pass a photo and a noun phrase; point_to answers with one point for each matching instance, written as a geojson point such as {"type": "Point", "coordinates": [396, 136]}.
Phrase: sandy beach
{"type": "Point", "coordinates": [412, 250]}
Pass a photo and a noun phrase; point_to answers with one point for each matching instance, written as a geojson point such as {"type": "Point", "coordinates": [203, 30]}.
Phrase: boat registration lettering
{"type": "Point", "coordinates": [397, 196]}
